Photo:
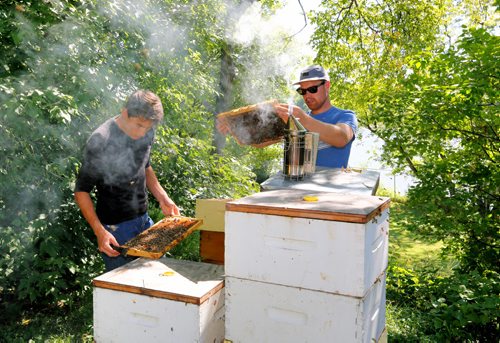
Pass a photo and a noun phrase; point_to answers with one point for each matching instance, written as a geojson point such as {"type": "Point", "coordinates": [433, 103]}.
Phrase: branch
{"type": "Point", "coordinates": [463, 131]}
{"type": "Point", "coordinates": [408, 160]}
{"type": "Point", "coordinates": [305, 21]}
{"type": "Point", "coordinates": [411, 165]}
{"type": "Point", "coordinates": [490, 104]}
{"type": "Point", "coordinates": [363, 17]}
{"type": "Point", "coordinates": [372, 129]}
{"type": "Point", "coordinates": [487, 154]}
{"type": "Point", "coordinates": [469, 132]}
{"type": "Point", "coordinates": [347, 8]}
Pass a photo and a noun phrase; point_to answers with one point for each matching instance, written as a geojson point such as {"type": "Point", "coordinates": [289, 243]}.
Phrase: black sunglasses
{"type": "Point", "coordinates": [312, 89]}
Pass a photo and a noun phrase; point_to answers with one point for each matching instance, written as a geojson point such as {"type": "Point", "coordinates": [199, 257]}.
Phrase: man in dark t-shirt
{"type": "Point", "coordinates": [117, 165]}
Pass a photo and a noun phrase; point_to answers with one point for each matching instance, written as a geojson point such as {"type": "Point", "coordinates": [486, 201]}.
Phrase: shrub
{"type": "Point", "coordinates": [454, 308]}
{"type": "Point", "coordinates": [465, 307]}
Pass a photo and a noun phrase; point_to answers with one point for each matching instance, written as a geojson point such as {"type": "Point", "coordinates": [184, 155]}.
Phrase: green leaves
{"type": "Point", "coordinates": [455, 307]}
{"type": "Point", "coordinates": [435, 105]}
{"type": "Point", "coordinates": [188, 169]}
{"type": "Point", "coordinates": [430, 90]}
{"type": "Point", "coordinates": [466, 307]}
{"type": "Point", "coordinates": [462, 136]}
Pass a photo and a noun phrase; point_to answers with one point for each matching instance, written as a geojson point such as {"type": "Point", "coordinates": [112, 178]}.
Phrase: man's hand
{"type": "Point", "coordinates": [337, 135]}
{"type": "Point", "coordinates": [222, 126]}
{"type": "Point", "coordinates": [282, 112]}
{"type": "Point", "coordinates": [169, 208]}
{"type": "Point", "coordinates": [104, 242]}
{"type": "Point", "coordinates": [104, 238]}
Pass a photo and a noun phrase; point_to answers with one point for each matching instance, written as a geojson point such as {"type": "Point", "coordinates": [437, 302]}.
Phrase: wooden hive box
{"type": "Point", "coordinates": [164, 300]}
{"type": "Point", "coordinates": [267, 312]}
{"type": "Point", "coordinates": [338, 243]}
{"type": "Point", "coordinates": [306, 266]}
{"type": "Point", "coordinates": [254, 124]}
{"type": "Point", "coordinates": [212, 213]}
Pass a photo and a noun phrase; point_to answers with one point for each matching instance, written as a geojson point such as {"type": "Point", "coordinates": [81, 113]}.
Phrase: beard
{"type": "Point", "coordinates": [315, 104]}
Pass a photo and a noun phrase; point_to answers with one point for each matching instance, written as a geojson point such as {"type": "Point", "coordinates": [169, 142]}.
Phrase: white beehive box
{"type": "Point", "coordinates": [163, 300]}
{"type": "Point", "coordinates": [337, 244]}
{"type": "Point", "coordinates": [264, 312]}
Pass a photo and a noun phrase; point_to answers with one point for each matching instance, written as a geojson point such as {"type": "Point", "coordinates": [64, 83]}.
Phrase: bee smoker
{"type": "Point", "coordinates": [294, 149]}
{"type": "Point", "coordinates": [311, 152]}
{"type": "Point", "coordinates": [300, 149]}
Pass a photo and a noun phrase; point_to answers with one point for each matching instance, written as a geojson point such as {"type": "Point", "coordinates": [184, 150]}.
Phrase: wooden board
{"type": "Point", "coordinates": [212, 247]}
{"type": "Point", "coordinates": [383, 336]}
{"type": "Point", "coordinates": [254, 124]}
{"type": "Point", "coordinates": [161, 237]}
{"type": "Point", "coordinates": [167, 278]}
{"type": "Point", "coordinates": [211, 211]}
{"type": "Point", "coordinates": [351, 208]}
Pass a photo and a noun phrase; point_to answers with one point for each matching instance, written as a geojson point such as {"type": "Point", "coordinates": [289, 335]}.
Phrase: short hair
{"type": "Point", "coordinates": [145, 104]}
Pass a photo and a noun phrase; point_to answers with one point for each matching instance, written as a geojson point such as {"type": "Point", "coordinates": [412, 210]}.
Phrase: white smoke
{"type": "Point", "coordinates": [283, 39]}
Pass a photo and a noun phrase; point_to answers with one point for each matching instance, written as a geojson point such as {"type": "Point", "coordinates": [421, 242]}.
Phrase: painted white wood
{"type": "Point", "coordinates": [306, 271]}
{"type": "Point", "coordinates": [330, 256]}
{"type": "Point", "coordinates": [122, 316]}
{"type": "Point", "coordinates": [266, 312]}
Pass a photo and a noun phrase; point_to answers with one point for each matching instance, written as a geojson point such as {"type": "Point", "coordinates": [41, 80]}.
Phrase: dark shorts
{"type": "Point", "coordinates": [123, 232]}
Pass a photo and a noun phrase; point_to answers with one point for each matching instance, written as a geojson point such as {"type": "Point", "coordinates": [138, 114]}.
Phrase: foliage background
{"type": "Point", "coordinates": [68, 66]}
{"type": "Point", "coordinates": [425, 80]}
{"type": "Point", "coordinates": [423, 76]}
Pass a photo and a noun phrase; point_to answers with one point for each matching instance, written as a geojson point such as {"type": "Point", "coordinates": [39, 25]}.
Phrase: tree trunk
{"type": "Point", "coordinates": [225, 98]}
{"type": "Point", "coordinates": [227, 76]}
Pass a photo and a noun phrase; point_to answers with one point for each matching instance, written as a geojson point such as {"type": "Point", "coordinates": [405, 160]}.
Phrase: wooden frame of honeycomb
{"type": "Point", "coordinates": [161, 237]}
{"type": "Point", "coordinates": [254, 124]}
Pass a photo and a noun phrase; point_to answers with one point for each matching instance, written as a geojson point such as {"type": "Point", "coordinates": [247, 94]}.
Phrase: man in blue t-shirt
{"type": "Point", "coordinates": [336, 127]}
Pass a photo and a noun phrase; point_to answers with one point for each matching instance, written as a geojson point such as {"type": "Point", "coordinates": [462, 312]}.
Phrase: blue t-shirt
{"type": "Point", "coordinates": [330, 156]}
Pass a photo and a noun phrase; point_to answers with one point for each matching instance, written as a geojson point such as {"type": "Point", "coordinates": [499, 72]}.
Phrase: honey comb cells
{"type": "Point", "coordinates": [254, 124]}
{"type": "Point", "coordinates": [161, 237]}
{"type": "Point", "coordinates": [250, 128]}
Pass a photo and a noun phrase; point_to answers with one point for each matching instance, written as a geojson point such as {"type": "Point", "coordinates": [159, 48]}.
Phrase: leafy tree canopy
{"type": "Point", "coordinates": [423, 76]}
{"type": "Point", "coordinates": [66, 67]}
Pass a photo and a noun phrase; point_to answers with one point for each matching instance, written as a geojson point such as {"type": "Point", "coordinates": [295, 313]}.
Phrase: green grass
{"type": "Point", "coordinates": [411, 251]}
{"type": "Point", "coordinates": [410, 247]}
{"type": "Point", "coordinates": [52, 324]}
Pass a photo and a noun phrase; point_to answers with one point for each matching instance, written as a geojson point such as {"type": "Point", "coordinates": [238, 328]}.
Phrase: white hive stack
{"type": "Point", "coordinates": [299, 271]}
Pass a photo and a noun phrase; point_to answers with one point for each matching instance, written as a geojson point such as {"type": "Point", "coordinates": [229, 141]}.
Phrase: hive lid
{"type": "Point", "coordinates": [332, 180]}
{"type": "Point", "coordinates": [254, 124]}
{"type": "Point", "coordinates": [353, 208]}
{"type": "Point", "coordinates": [186, 281]}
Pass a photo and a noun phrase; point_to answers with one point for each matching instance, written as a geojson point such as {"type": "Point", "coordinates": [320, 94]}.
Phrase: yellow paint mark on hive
{"type": "Point", "coordinates": [310, 198]}
{"type": "Point", "coordinates": [167, 273]}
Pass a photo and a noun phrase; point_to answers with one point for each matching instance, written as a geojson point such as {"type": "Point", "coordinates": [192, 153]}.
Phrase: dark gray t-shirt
{"type": "Point", "coordinates": [115, 165]}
